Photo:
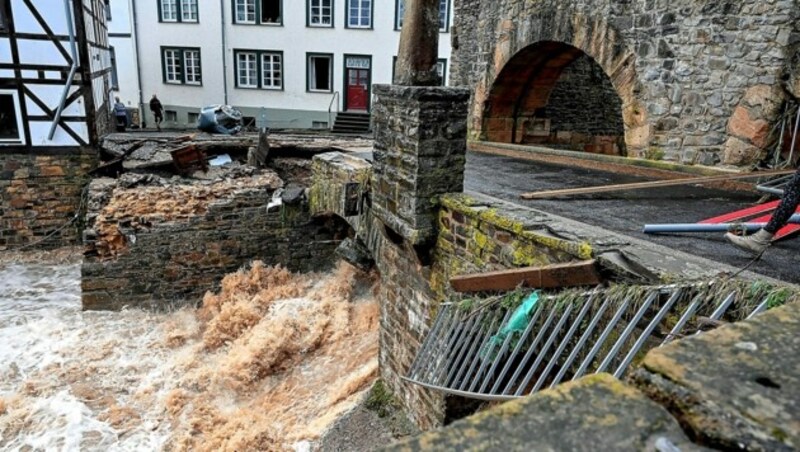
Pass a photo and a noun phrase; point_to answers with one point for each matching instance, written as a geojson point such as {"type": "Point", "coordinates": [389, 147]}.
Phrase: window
{"type": "Point", "coordinates": [319, 73]}
{"type": "Point", "coordinates": [271, 71]}
{"type": "Point", "coordinates": [444, 9]}
{"type": "Point", "coordinates": [182, 66]}
{"type": "Point", "coordinates": [178, 11]}
{"type": "Point", "coordinates": [171, 115]}
{"type": "Point", "coordinates": [114, 75]}
{"type": "Point", "coordinates": [246, 70]}
{"type": "Point", "coordinates": [441, 69]}
{"type": "Point", "coordinates": [320, 13]}
{"type": "Point", "coordinates": [191, 61]}
{"type": "Point", "coordinates": [192, 118]}
{"type": "Point", "coordinates": [259, 69]}
{"type": "Point", "coordinates": [266, 12]}
{"type": "Point", "coordinates": [10, 119]}
{"type": "Point", "coordinates": [107, 9]}
{"type": "Point", "coordinates": [359, 14]}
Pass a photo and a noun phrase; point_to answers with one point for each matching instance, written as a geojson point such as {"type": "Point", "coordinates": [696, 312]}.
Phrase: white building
{"type": "Point", "coordinates": [290, 61]}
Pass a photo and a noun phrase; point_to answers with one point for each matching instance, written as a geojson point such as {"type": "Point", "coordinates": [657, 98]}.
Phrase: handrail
{"type": "Point", "coordinates": [73, 68]}
{"type": "Point", "coordinates": [334, 98]}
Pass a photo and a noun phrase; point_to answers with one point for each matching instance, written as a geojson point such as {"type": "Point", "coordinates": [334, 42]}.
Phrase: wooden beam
{"type": "Point", "coordinates": [651, 184]}
{"type": "Point", "coordinates": [573, 274]}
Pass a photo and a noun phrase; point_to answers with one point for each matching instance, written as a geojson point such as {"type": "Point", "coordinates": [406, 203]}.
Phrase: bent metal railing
{"type": "Point", "coordinates": [567, 337]}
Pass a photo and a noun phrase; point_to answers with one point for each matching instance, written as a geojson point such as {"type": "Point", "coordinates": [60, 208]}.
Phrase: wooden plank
{"type": "Point", "coordinates": [651, 184]}
{"type": "Point", "coordinates": [582, 273]}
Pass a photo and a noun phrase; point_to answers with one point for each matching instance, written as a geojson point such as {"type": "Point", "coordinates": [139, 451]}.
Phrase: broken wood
{"type": "Point", "coordinates": [548, 277]}
{"type": "Point", "coordinates": [651, 184]}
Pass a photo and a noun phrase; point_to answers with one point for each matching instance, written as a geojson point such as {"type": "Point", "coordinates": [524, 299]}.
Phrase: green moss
{"type": "Point", "coordinates": [380, 399]}
{"type": "Point", "coordinates": [654, 153]}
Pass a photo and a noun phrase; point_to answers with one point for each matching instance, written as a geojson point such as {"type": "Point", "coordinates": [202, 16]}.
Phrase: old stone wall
{"type": "Point", "coordinates": [142, 260]}
{"type": "Point", "coordinates": [700, 82]}
{"type": "Point", "coordinates": [475, 237]}
{"type": "Point", "coordinates": [40, 194]}
{"type": "Point", "coordinates": [584, 111]}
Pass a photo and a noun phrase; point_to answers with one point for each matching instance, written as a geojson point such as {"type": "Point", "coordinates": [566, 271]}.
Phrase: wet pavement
{"type": "Point", "coordinates": [627, 211]}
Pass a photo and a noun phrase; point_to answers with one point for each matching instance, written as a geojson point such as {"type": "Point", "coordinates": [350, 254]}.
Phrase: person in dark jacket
{"type": "Point", "coordinates": [158, 111]}
{"type": "Point", "coordinates": [120, 115]}
{"type": "Point", "coordinates": [758, 242]}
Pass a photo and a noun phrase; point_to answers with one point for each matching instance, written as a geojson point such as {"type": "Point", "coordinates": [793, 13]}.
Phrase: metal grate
{"type": "Point", "coordinates": [566, 337]}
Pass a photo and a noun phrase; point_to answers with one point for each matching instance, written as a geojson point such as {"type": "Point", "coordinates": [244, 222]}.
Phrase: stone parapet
{"type": "Point", "coordinates": [420, 147]}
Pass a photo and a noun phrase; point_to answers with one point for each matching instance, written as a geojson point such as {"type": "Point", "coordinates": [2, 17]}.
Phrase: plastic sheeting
{"type": "Point", "coordinates": [222, 119]}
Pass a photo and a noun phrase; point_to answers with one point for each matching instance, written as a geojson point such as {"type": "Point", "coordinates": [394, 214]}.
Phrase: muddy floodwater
{"type": "Point", "coordinates": [268, 362]}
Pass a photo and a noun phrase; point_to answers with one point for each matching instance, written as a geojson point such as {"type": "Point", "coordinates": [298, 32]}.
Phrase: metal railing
{"type": "Point", "coordinates": [466, 354]}
{"type": "Point", "coordinates": [334, 101]}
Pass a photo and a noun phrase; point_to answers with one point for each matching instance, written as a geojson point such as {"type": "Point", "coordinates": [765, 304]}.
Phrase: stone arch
{"type": "Point", "coordinates": [527, 65]}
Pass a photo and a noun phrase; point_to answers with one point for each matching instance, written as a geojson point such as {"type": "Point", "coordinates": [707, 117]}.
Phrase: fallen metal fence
{"type": "Point", "coordinates": [567, 337]}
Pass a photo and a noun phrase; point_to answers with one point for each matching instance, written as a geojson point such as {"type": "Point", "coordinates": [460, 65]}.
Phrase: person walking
{"type": "Point", "coordinates": [158, 111]}
{"type": "Point", "coordinates": [120, 115]}
{"type": "Point", "coordinates": [758, 242]}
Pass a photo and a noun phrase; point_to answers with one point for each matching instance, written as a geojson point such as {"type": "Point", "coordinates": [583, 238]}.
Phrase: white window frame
{"type": "Point", "coordinates": [319, 5]}
{"type": "Point", "coordinates": [241, 6]}
{"type": "Point", "coordinates": [273, 80]}
{"type": "Point", "coordinates": [252, 82]}
{"type": "Point", "coordinates": [193, 9]}
{"type": "Point", "coordinates": [359, 7]}
{"type": "Point", "coordinates": [173, 73]}
{"type": "Point", "coordinates": [18, 113]}
{"type": "Point", "coordinates": [444, 15]}
{"type": "Point", "coordinates": [192, 73]}
{"type": "Point", "coordinates": [173, 9]}
{"type": "Point", "coordinates": [310, 74]}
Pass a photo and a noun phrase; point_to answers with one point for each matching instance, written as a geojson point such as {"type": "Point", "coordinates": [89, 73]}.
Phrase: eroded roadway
{"type": "Point", "coordinates": [626, 212]}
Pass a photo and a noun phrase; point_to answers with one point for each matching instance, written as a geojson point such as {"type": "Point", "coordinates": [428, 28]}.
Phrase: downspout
{"type": "Point", "coordinates": [224, 55]}
{"type": "Point", "coordinates": [138, 61]}
{"type": "Point", "coordinates": [74, 52]}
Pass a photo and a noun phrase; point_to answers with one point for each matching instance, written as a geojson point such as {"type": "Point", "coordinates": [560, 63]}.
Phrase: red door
{"type": "Point", "coordinates": [357, 89]}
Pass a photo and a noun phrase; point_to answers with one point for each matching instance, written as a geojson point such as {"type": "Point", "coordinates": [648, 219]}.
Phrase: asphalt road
{"type": "Point", "coordinates": [626, 212]}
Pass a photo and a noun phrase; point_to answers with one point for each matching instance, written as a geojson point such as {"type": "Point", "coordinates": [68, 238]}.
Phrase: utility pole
{"type": "Point", "coordinates": [419, 44]}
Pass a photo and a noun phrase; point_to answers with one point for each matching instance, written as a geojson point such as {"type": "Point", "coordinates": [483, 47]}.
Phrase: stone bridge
{"type": "Point", "coordinates": [408, 208]}
{"type": "Point", "coordinates": [695, 81]}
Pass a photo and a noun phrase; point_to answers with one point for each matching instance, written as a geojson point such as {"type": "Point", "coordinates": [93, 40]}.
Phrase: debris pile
{"type": "Point", "coordinates": [136, 201]}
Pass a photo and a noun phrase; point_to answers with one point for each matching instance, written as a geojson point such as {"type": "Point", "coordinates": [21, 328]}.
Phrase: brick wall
{"type": "Point", "coordinates": [178, 261]}
{"type": "Point", "coordinates": [39, 194]}
{"type": "Point", "coordinates": [478, 237]}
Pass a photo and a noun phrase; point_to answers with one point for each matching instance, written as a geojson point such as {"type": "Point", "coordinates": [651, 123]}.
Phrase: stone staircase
{"type": "Point", "coordinates": [352, 123]}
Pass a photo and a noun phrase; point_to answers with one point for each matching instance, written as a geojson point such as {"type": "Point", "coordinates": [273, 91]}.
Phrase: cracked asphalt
{"type": "Point", "coordinates": [627, 211]}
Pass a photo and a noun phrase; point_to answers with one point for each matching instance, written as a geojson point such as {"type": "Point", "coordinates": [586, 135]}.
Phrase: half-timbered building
{"type": "Point", "coordinates": [54, 106]}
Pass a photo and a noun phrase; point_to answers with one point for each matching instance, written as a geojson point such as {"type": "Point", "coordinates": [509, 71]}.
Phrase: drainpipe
{"type": "Point", "coordinates": [138, 61]}
{"type": "Point", "coordinates": [74, 67]}
{"type": "Point", "coordinates": [224, 55]}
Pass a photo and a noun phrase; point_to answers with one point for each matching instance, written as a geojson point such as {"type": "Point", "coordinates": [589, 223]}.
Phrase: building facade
{"type": "Point", "coordinates": [55, 71]}
{"type": "Point", "coordinates": [287, 63]}
{"type": "Point", "coordinates": [124, 60]}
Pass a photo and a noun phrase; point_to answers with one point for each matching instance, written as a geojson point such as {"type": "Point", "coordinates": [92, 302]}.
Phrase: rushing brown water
{"type": "Point", "coordinates": [268, 363]}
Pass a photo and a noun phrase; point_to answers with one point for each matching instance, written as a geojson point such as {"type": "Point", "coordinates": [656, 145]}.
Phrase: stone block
{"type": "Point", "coordinates": [742, 125]}
{"type": "Point", "coordinates": [740, 153]}
{"type": "Point", "coordinates": [734, 388]}
{"type": "Point", "coordinates": [594, 413]}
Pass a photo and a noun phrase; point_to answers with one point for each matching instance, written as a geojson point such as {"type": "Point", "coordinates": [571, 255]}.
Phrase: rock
{"type": "Point", "coordinates": [735, 388]}
{"type": "Point", "coordinates": [739, 153]}
{"type": "Point", "coordinates": [743, 125]}
{"type": "Point", "coordinates": [356, 253]}
{"type": "Point", "coordinates": [594, 413]}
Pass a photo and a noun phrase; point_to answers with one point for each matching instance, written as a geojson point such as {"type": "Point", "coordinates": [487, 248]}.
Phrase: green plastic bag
{"type": "Point", "coordinates": [516, 324]}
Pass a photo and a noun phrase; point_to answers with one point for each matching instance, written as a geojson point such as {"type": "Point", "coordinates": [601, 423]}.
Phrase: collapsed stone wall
{"type": "Point", "coordinates": [40, 194]}
{"type": "Point", "coordinates": [682, 68]}
{"type": "Point", "coordinates": [151, 242]}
